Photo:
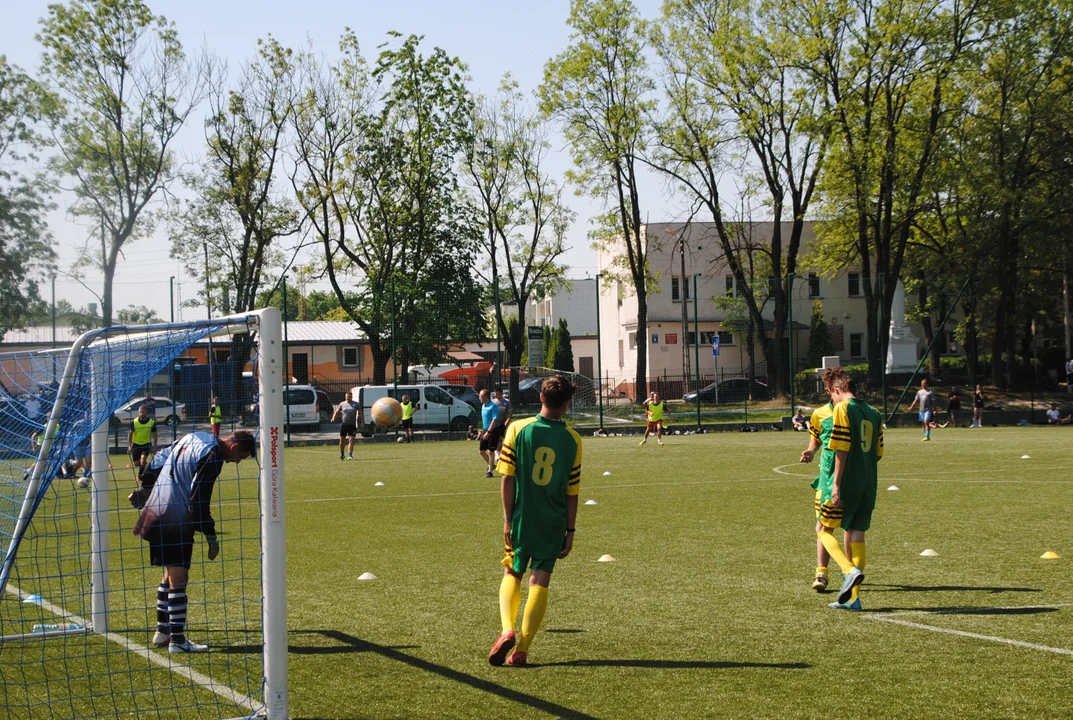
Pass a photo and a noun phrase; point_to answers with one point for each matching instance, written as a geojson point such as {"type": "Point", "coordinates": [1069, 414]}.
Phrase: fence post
{"type": "Point", "coordinates": [790, 338]}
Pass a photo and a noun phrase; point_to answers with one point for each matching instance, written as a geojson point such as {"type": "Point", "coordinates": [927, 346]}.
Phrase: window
{"type": "Point", "coordinates": [705, 337]}
{"type": "Point", "coordinates": [350, 357]}
{"type": "Point", "coordinates": [813, 285]}
{"type": "Point", "coordinates": [300, 397]}
{"type": "Point", "coordinates": [855, 286]}
{"type": "Point", "coordinates": [633, 340]}
{"type": "Point", "coordinates": [835, 333]}
{"type": "Point", "coordinates": [726, 337]}
{"type": "Point", "coordinates": [730, 286]}
{"type": "Point", "coordinates": [435, 395]}
{"type": "Point", "coordinates": [856, 345]}
{"type": "Point", "coordinates": [676, 286]}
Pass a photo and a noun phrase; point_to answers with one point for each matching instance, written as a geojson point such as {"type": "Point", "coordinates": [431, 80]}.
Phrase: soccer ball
{"type": "Point", "coordinates": [83, 482]}
{"type": "Point", "coordinates": [387, 412]}
{"type": "Point", "coordinates": [400, 439]}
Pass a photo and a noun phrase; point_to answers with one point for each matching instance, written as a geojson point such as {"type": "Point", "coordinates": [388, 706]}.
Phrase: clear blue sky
{"type": "Point", "coordinates": [491, 37]}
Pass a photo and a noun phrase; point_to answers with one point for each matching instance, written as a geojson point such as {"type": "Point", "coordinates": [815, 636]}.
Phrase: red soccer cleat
{"type": "Point", "coordinates": [502, 646]}
{"type": "Point", "coordinates": [517, 659]}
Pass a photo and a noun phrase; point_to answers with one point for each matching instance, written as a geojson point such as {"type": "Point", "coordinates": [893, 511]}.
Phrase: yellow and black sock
{"type": "Point", "coordinates": [858, 561]}
{"type": "Point", "coordinates": [535, 605]}
{"type": "Point", "coordinates": [510, 597]}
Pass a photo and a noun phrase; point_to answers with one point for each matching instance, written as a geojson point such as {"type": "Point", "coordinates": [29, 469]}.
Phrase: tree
{"type": "Point", "coordinates": [600, 90]}
{"type": "Point", "coordinates": [238, 215]}
{"type": "Point", "coordinates": [137, 315]}
{"type": "Point", "coordinates": [819, 340]}
{"type": "Point", "coordinates": [563, 353]}
{"type": "Point", "coordinates": [887, 70]}
{"type": "Point", "coordinates": [26, 254]}
{"type": "Point", "coordinates": [524, 218]}
{"type": "Point", "coordinates": [376, 170]}
{"type": "Point", "coordinates": [319, 304]}
{"type": "Point", "coordinates": [737, 88]}
{"type": "Point", "coordinates": [127, 89]}
{"type": "Point", "coordinates": [273, 297]}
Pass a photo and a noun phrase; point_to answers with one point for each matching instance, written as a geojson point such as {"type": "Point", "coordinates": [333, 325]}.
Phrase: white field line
{"type": "Point", "coordinates": [975, 636]}
{"type": "Point", "coordinates": [204, 681]}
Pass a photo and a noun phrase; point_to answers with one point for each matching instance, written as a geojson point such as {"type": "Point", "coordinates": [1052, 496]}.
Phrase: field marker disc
{"type": "Point", "coordinates": [606, 558]}
{"type": "Point", "coordinates": [367, 576]}
{"type": "Point", "coordinates": [929, 553]}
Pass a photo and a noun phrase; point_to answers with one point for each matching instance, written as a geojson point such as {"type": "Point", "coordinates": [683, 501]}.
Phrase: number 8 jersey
{"type": "Point", "coordinates": [544, 456]}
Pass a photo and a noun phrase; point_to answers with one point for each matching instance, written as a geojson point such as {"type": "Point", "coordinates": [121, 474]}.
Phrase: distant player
{"type": "Point", "coordinates": [848, 502]}
{"type": "Point", "coordinates": [216, 416]}
{"type": "Point", "coordinates": [654, 410]}
{"type": "Point", "coordinates": [350, 413]}
{"type": "Point", "coordinates": [489, 438]}
{"type": "Point", "coordinates": [506, 414]}
{"type": "Point", "coordinates": [953, 408]}
{"type": "Point", "coordinates": [977, 408]}
{"type": "Point", "coordinates": [925, 398]}
{"type": "Point", "coordinates": [408, 410]}
{"type": "Point", "coordinates": [178, 506]}
{"type": "Point", "coordinates": [541, 468]}
{"type": "Point", "coordinates": [141, 438]}
{"type": "Point", "coordinates": [801, 423]}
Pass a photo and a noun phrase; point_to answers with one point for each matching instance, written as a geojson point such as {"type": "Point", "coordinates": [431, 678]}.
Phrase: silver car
{"type": "Point", "coordinates": [167, 412]}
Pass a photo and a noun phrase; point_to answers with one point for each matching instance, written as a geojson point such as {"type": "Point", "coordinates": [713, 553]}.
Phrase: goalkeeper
{"type": "Point", "coordinates": [178, 506]}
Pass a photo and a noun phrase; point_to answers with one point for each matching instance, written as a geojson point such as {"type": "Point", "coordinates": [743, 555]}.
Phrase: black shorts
{"type": "Point", "coordinates": [408, 423]}
{"type": "Point", "coordinates": [138, 450]}
{"type": "Point", "coordinates": [348, 430]}
{"type": "Point", "coordinates": [491, 442]}
{"type": "Point", "coordinates": [170, 546]}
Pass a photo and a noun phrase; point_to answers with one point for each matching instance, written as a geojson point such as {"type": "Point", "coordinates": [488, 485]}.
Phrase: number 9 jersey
{"type": "Point", "coordinates": [858, 430]}
{"type": "Point", "coordinates": [544, 456]}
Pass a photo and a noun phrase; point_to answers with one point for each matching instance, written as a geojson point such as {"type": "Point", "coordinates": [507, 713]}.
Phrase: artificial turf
{"type": "Point", "coordinates": [707, 610]}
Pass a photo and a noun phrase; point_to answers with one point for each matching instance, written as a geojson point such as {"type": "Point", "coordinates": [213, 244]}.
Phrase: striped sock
{"type": "Point", "coordinates": [162, 608]}
{"type": "Point", "coordinates": [177, 615]}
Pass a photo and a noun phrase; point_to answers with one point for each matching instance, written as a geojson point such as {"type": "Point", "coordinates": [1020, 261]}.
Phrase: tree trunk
{"type": "Point", "coordinates": [381, 356]}
{"type": "Point", "coordinates": [641, 385]}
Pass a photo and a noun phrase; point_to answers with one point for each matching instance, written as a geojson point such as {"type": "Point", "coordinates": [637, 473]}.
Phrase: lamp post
{"type": "Point", "coordinates": [599, 354]}
{"type": "Point", "coordinates": [171, 296]}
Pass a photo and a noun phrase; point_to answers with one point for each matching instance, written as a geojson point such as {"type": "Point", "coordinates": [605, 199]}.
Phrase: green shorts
{"type": "Point", "coordinates": [858, 502]}
{"type": "Point", "coordinates": [518, 560]}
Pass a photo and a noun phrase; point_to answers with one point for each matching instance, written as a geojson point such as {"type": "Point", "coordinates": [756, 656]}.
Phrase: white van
{"type": "Point", "coordinates": [303, 407]}
{"type": "Point", "coordinates": [436, 408]}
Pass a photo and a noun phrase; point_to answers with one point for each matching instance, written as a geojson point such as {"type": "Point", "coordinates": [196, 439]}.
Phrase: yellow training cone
{"type": "Point", "coordinates": [1050, 555]}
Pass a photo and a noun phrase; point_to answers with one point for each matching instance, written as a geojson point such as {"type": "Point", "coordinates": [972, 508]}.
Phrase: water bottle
{"type": "Point", "coordinates": [56, 627]}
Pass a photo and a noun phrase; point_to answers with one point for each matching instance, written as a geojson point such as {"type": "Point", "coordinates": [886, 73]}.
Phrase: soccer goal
{"type": "Point", "coordinates": [78, 595]}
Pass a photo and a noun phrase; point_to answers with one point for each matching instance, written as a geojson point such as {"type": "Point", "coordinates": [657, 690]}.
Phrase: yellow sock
{"type": "Point", "coordinates": [510, 597]}
{"type": "Point", "coordinates": [535, 605]}
{"type": "Point", "coordinates": [858, 560]}
{"type": "Point", "coordinates": [835, 550]}
{"type": "Point", "coordinates": [821, 570]}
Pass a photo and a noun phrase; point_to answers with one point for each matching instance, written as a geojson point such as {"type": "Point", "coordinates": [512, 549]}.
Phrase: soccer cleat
{"type": "Point", "coordinates": [925, 439]}
{"type": "Point", "coordinates": [660, 443]}
{"type": "Point", "coordinates": [517, 659]}
{"type": "Point", "coordinates": [186, 647]}
{"type": "Point", "coordinates": [489, 474]}
{"type": "Point", "coordinates": [161, 639]}
{"type": "Point", "coordinates": [820, 583]}
{"type": "Point", "coordinates": [349, 457]}
{"type": "Point", "coordinates": [854, 606]}
{"type": "Point", "coordinates": [641, 443]}
{"type": "Point", "coordinates": [340, 456]}
{"type": "Point", "coordinates": [502, 647]}
{"type": "Point", "coordinates": [853, 578]}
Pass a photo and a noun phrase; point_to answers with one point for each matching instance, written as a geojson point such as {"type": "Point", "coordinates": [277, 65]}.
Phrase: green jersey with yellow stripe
{"type": "Point", "coordinates": [820, 426]}
{"type": "Point", "coordinates": [858, 429]}
{"type": "Point", "coordinates": [544, 456]}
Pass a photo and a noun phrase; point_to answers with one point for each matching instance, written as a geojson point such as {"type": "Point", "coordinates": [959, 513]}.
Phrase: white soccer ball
{"type": "Point", "coordinates": [400, 439]}
{"type": "Point", "coordinates": [83, 482]}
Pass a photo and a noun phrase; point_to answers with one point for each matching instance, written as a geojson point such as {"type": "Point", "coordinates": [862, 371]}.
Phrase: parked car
{"type": "Point", "coordinates": [731, 390]}
{"type": "Point", "coordinates": [167, 412]}
{"type": "Point", "coordinates": [304, 406]}
{"type": "Point", "coordinates": [464, 393]}
{"type": "Point", "coordinates": [436, 408]}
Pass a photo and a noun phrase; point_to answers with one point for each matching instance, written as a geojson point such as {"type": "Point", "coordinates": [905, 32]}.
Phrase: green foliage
{"type": "Point", "coordinates": [819, 341]}
{"type": "Point", "coordinates": [137, 315]}
{"type": "Point", "coordinates": [26, 252]}
{"type": "Point", "coordinates": [127, 89]}
{"type": "Point", "coordinates": [562, 349]}
{"type": "Point", "coordinates": [551, 342]}
{"type": "Point", "coordinates": [273, 297]}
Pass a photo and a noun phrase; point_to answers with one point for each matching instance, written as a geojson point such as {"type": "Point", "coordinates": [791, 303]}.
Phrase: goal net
{"type": "Point", "coordinates": [85, 622]}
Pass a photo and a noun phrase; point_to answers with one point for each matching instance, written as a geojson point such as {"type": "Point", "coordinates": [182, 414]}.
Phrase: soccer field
{"type": "Point", "coordinates": [708, 610]}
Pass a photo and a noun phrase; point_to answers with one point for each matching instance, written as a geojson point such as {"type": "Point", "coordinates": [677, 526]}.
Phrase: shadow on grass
{"type": "Point", "coordinates": [870, 587]}
{"type": "Point", "coordinates": [349, 643]}
{"type": "Point", "coordinates": [675, 664]}
{"type": "Point", "coordinates": [969, 610]}
{"type": "Point", "coordinates": [564, 631]}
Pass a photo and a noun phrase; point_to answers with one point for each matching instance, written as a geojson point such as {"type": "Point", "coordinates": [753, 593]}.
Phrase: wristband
{"type": "Point", "coordinates": [570, 529]}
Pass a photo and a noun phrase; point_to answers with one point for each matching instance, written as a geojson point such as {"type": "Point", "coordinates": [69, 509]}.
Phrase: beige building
{"type": "Point", "coordinates": [670, 335]}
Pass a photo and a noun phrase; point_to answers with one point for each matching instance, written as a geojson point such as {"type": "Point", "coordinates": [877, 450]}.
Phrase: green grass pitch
{"type": "Point", "coordinates": [706, 613]}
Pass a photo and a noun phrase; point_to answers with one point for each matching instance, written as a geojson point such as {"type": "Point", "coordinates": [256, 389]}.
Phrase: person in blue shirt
{"type": "Point", "coordinates": [491, 432]}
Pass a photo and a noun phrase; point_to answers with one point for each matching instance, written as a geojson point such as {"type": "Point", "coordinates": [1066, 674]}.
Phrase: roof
{"type": "Point", "coordinates": [465, 355]}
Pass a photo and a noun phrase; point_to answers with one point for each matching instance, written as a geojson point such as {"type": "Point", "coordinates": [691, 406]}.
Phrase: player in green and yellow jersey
{"type": "Point", "coordinates": [819, 428]}
{"type": "Point", "coordinates": [408, 410]}
{"type": "Point", "coordinates": [541, 468]}
{"type": "Point", "coordinates": [856, 440]}
{"type": "Point", "coordinates": [141, 438]}
{"type": "Point", "coordinates": [654, 411]}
